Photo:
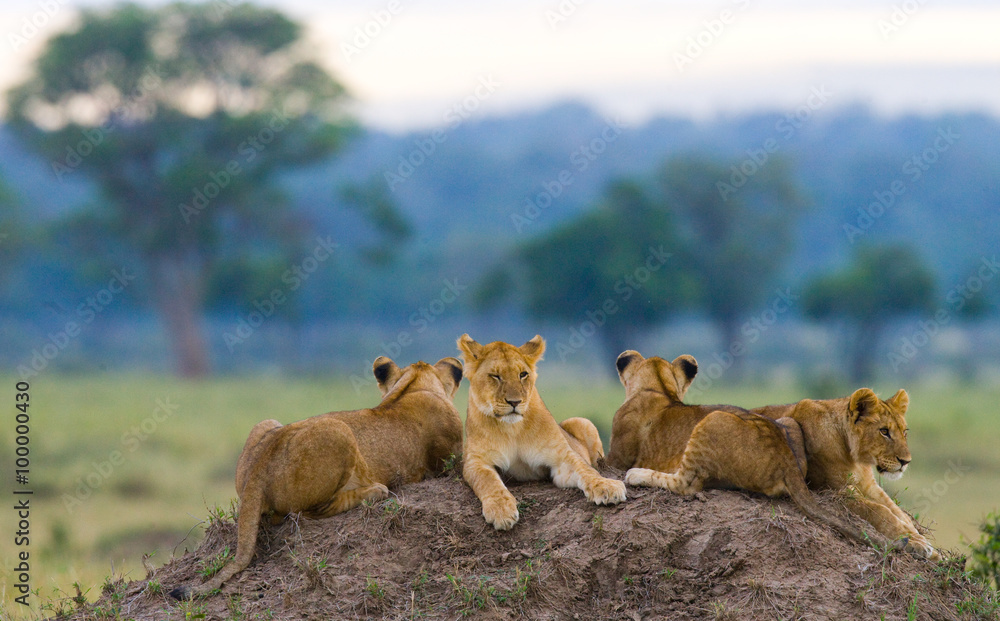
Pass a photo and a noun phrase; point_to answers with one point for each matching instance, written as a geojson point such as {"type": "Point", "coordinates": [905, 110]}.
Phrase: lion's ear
{"type": "Point", "coordinates": [469, 348]}
{"type": "Point", "coordinates": [386, 373]}
{"type": "Point", "coordinates": [450, 371]}
{"type": "Point", "coordinates": [863, 402]}
{"type": "Point", "coordinates": [626, 359]}
{"type": "Point", "coordinates": [685, 368]}
{"type": "Point", "coordinates": [533, 349]}
{"type": "Point", "coordinates": [900, 401]}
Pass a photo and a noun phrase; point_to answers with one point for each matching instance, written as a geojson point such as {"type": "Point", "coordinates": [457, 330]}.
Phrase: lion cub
{"type": "Point", "coordinates": [508, 427]}
{"type": "Point", "coordinates": [845, 438]}
{"type": "Point", "coordinates": [684, 448]}
{"type": "Point", "coordinates": [330, 463]}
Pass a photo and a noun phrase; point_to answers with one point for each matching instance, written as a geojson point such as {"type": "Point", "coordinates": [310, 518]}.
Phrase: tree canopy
{"type": "Point", "coordinates": [184, 116]}
{"type": "Point", "coordinates": [612, 272]}
{"type": "Point", "coordinates": [880, 283]}
{"type": "Point", "coordinates": [720, 253]}
{"type": "Point", "coordinates": [738, 240]}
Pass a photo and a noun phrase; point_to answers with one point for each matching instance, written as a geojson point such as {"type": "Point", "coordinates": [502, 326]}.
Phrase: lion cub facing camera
{"type": "Point", "coordinates": [330, 463]}
{"type": "Point", "coordinates": [684, 448]}
{"type": "Point", "coordinates": [508, 427]}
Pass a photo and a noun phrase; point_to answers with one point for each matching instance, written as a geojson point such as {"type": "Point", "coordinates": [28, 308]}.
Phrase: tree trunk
{"type": "Point", "coordinates": [617, 337]}
{"type": "Point", "coordinates": [732, 364]}
{"type": "Point", "coordinates": [178, 292]}
{"type": "Point", "coordinates": [867, 338]}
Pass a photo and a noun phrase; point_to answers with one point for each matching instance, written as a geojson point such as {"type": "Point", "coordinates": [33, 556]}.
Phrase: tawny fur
{"type": "Point", "coordinates": [508, 428]}
{"type": "Point", "coordinates": [330, 463]}
{"type": "Point", "coordinates": [845, 438]}
{"type": "Point", "coordinates": [583, 438]}
{"type": "Point", "coordinates": [685, 448]}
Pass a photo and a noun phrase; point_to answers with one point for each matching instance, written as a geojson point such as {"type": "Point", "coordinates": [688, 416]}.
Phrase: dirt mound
{"type": "Point", "coordinates": [426, 552]}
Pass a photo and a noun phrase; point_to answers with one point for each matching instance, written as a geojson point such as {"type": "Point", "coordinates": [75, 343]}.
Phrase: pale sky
{"type": "Point", "coordinates": [631, 59]}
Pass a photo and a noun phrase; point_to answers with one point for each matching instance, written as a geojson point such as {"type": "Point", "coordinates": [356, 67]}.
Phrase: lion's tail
{"type": "Point", "coordinates": [248, 523]}
{"type": "Point", "coordinates": [796, 486]}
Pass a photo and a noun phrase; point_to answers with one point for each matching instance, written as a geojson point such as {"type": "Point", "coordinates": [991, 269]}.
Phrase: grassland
{"type": "Point", "coordinates": [126, 465]}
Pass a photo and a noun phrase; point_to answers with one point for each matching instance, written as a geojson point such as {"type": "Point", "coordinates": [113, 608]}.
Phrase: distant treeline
{"type": "Point", "coordinates": [503, 215]}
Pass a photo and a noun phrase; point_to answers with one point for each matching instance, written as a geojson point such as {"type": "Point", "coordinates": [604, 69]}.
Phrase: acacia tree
{"type": "Point", "coordinates": [610, 274]}
{"type": "Point", "coordinates": [738, 240]}
{"type": "Point", "coordinates": [880, 283]}
{"type": "Point", "coordinates": [182, 116]}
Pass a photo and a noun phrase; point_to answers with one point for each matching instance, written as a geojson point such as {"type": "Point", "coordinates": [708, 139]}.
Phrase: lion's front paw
{"type": "Point", "coordinates": [918, 546]}
{"type": "Point", "coordinates": [638, 476]}
{"type": "Point", "coordinates": [606, 491]}
{"type": "Point", "coordinates": [500, 511]}
{"type": "Point", "coordinates": [377, 491]}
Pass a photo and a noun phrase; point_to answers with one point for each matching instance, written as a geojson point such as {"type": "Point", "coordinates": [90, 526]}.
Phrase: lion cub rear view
{"type": "Point", "coordinates": [508, 427]}
{"type": "Point", "coordinates": [330, 463]}
{"type": "Point", "coordinates": [684, 448]}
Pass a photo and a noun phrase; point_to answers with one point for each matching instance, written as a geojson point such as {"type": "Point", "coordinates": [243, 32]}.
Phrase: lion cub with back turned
{"type": "Point", "coordinates": [508, 427]}
{"type": "Point", "coordinates": [684, 448]}
{"type": "Point", "coordinates": [330, 463]}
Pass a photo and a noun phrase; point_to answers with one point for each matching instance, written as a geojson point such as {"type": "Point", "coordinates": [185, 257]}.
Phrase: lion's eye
{"type": "Point", "coordinates": [494, 377]}
{"type": "Point", "coordinates": [885, 432]}
{"type": "Point", "coordinates": [524, 375]}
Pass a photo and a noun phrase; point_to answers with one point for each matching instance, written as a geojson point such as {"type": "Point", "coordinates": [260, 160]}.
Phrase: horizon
{"type": "Point", "coordinates": [638, 62]}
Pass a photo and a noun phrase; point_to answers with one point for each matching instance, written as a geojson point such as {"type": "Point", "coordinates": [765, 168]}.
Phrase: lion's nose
{"type": "Point", "coordinates": [514, 403]}
{"type": "Point", "coordinates": [903, 462]}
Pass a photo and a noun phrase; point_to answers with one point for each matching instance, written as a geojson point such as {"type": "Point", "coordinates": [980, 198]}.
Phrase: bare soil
{"type": "Point", "coordinates": [427, 553]}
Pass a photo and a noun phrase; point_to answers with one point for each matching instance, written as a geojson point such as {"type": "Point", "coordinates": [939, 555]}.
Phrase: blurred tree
{"type": "Point", "coordinates": [609, 273]}
{"type": "Point", "coordinates": [880, 283]}
{"type": "Point", "coordinates": [12, 232]}
{"type": "Point", "coordinates": [373, 201]}
{"type": "Point", "coordinates": [183, 116]}
{"type": "Point", "coordinates": [739, 232]}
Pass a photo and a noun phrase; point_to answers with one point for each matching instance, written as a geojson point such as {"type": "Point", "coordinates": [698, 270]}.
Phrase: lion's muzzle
{"type": "Point", "coordinates": [894, 471]}
{"type": "Point", "coordinates": [511, 411]}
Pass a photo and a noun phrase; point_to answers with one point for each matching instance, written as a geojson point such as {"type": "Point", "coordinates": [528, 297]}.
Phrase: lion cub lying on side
{"type": "Point", "coordinates": [684, 448]}
{"type": "Point", "coordinates": [845, 438]}
{"type": "Point", "coordinates": [330, 463]}
{"type": "Point", "coordinates": [508, 427]}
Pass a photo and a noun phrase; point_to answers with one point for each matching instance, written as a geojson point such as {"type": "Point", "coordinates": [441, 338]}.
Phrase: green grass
{"type": "Point", "coordinates": [373, 589]}
{"type": "Point", "coordinates": [215, 564]}
{"type": "Point", "coordinates": [156, 475]}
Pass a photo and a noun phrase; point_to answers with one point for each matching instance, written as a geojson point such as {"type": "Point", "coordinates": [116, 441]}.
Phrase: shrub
{"type": "Point", "coordinates": [985, 561]}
